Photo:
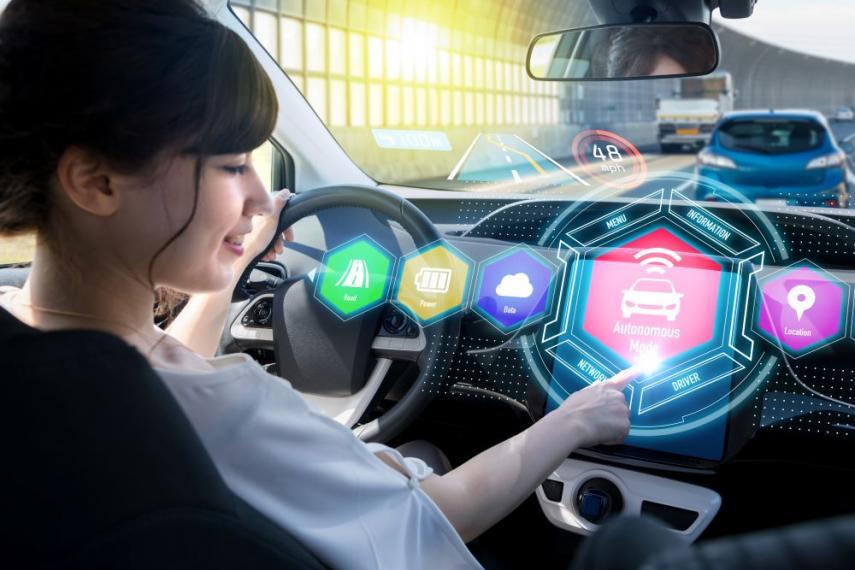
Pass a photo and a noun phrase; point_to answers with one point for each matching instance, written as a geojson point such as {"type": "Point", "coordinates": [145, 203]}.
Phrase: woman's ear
{"type": "Point", "coordinates": [85, 180]}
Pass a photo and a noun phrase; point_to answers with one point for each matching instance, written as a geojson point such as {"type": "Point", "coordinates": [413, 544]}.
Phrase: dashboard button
{"type": "Point", "coordinates": [598, 499]}
{"type": "Point", "coordinates": [553, 490]}
{"type": "Point", "coordinates": [594, 505]}
{"type": "Point", "coordinates": [395, 322]}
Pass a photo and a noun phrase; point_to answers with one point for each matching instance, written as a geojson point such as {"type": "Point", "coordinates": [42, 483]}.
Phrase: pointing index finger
{"type": "Point", "coordinates": [622, 378]}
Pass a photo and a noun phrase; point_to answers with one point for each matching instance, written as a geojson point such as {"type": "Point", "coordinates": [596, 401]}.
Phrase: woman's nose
{"type": "Point", "coordinates": [258, 200]}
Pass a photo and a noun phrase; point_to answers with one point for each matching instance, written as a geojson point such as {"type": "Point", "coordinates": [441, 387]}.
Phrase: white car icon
{"type": "Point", "coordinates": [651, 297]}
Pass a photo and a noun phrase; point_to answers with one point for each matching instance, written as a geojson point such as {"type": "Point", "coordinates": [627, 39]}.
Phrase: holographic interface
{"type": "Point", "coordinates": [663, 284]}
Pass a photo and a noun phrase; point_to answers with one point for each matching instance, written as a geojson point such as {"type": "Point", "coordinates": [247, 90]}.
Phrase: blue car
{"type": "Point", "coordinates": [788, 158]}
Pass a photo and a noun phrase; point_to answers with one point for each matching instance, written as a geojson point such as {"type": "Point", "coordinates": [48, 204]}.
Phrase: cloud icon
{"type": "Point", "coordinates": [516, 285]}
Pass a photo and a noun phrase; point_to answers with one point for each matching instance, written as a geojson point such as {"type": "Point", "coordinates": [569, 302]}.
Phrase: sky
{"type": "Point", "coordinates": [819, 27]}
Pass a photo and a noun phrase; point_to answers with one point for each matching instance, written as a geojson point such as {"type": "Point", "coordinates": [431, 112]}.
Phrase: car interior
{"type": "Point", "coordinates": [497, 204]}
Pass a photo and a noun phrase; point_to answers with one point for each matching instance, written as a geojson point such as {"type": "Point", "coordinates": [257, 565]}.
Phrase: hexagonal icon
{"type": "Point", "coordinates": [802, 308]}
{"type": "Point", "coordinates": [653, 298]}
{"type": "Point", "coordinates": [355, 277]}
{"type": "Point", "coordinates": [432, 282]}
{"type": "Point", "coordinates": [514, 288]}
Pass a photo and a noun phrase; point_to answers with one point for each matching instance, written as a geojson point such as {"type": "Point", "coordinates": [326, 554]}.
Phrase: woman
{"type": "Point", "coordinates": [125, 132]}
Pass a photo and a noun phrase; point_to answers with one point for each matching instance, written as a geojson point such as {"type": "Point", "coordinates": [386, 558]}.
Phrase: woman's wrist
{"type": "Point", "coordinates": [565, 426]}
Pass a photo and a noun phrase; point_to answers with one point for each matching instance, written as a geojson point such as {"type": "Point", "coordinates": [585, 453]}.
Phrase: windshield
{"type": "Point", "coordinates": [772, 137]}
{"type": "Point", "coordinates": [436, 95]}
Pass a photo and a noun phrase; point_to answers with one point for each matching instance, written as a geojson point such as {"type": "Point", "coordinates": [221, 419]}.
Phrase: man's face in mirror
{"type": "Point", "coordinates": [666, 65]}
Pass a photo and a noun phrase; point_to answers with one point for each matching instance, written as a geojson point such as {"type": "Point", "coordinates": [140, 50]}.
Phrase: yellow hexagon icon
{"type": "Point", "coordinates": [433, 282]}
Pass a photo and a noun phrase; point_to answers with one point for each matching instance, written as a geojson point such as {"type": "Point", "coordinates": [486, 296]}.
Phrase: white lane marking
{"type": "Point", "coordinates": [507, 159]}
{"type": "Point", "coordinates": [459, 165]}
{"type": "Point", "coordinates": [516, 175]}
{"type": "Point", "coordinates": [547, 157]}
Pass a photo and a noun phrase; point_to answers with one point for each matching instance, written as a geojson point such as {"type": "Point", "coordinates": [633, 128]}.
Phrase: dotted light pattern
{"type": "Point", "coordinates": [497, 374]}
{"type": "Point", "coordinates": [783, 408]}
{"type": "Point", "coordinates": [502, 372]}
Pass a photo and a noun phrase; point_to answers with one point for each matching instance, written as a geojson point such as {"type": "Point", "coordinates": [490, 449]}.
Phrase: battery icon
{"type": "Point", "coordinates": [433, 280]}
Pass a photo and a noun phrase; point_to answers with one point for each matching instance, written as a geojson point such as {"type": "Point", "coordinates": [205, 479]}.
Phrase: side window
{"type": "Point", "coordinates": [274, 166]}
{"type": "Point", "coordinates": [19, 249]}
{"type": "Point", "coordinates": [262, 160]}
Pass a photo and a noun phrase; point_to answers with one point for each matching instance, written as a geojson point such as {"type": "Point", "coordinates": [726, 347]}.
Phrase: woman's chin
{"type": "Point", "coordinates": [214, 280]}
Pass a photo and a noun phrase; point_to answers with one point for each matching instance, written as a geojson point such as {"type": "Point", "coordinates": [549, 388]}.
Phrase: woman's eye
{"type": "Point", "coordinates": [238, 170]}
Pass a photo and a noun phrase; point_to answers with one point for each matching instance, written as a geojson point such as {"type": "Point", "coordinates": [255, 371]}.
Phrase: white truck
{"type": "Point", "coordinates": [687, 119]}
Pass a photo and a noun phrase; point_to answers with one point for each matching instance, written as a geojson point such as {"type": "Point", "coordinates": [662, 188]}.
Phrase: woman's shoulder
{"type": "Point", "coordinates": [7, 291]}
{"type": "Point", "coordinates": [225, 377]}
{"type": "Point", "coordinates": [7, 299]}
{"type": "Point", "coordinates": [188, 363]}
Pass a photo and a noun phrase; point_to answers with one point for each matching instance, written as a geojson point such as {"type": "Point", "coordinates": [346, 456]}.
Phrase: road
{"type": "Point", "coordinates": [506, 163]}
{"type": "Point", "coordinates": [494, 157]}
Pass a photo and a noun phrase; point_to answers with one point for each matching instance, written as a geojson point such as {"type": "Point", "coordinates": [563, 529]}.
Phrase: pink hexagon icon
{"type": "Point", "coordinates": [653, 298]}
{"type": "Point", "coordinates": [802, 308]}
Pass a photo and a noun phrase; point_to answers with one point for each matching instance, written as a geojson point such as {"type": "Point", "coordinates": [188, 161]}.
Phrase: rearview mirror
{"type": "Point", "coordinates": [626, 51]}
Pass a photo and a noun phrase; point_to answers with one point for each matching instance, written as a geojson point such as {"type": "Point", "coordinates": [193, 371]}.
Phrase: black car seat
{"type": "Point", "coordinates": [101, 469]}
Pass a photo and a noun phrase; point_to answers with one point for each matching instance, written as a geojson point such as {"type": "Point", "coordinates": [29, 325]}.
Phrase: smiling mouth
{"type": "Point", "coordinates": [234, 240]}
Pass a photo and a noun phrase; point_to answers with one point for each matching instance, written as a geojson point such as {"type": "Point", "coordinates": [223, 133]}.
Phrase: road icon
{"type": "Point", "coordinates": [356, 276]}
{"type": "Point", "coordinates": [651, 297]}
{"type": "Point", "coordinates": [517, 285]}
{"type": "Point", "coordinates": [800, 299]}
{"type": "Point", "coordinates": [433, 280]}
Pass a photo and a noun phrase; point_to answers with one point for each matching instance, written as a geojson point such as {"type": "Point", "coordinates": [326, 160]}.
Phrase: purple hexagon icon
{"type": "Point", "coordinates": [802, 308]}
{"type": "Point", "coordinates": [514, 288]}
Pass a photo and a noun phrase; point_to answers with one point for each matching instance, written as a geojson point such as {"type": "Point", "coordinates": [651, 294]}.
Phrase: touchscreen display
{"type": "Point", "coordinates": [660, 304]}
{"type": "Point", "coordinates": [705, 442]}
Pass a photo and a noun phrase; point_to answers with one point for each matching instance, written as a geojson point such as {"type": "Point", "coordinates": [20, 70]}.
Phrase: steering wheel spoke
{"type": "Point", "coordinates": [348, 409]}
{"type": "Point", "coordinates": [400, 348]}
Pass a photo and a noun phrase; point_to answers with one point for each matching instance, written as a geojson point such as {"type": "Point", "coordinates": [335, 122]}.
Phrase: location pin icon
{"type": "Point", "coordinates": [800, 299]}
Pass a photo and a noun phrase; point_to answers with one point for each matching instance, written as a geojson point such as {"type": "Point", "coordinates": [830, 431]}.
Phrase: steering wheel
{"type": "Point", "coordinates": [339, 365]}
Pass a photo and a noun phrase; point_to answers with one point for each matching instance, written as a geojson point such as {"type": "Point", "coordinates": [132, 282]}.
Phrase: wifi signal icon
{"type": "Point", "coordinates": [657, 259]}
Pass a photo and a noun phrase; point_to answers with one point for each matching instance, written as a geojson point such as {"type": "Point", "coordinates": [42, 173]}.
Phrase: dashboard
{"type": "Point", "coordinates": [739, 316]}
{"type": "Point", "coordinates": [729, 309]}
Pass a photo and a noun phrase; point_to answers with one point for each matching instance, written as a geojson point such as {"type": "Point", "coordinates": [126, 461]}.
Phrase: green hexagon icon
{"type": "Point", "coordinates": [354, 277]}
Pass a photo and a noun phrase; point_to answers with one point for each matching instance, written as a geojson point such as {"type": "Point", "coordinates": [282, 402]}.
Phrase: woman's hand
{"type": "Point", "coordinates": [262, 233]}
{"type": "Point", "coordinates": [479, 493]}
{"type": "Point", "coordinates": [599, 413]}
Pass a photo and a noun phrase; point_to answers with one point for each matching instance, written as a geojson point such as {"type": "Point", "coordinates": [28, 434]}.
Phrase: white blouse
{"type": "Point", "coordinates": [311, 475]}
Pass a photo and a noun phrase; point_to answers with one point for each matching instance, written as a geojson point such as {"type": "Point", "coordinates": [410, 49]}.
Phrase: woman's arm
{"type": "Point", "coordinates": [199, 325]}
{"type": "Point", "coordinates": [483, 490]}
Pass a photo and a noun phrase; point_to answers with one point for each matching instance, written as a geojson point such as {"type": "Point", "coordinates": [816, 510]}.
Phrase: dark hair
{"type": "Point", "coordinates": [126, 79]}
{"type": "Point", "coordinates": [633, 51]}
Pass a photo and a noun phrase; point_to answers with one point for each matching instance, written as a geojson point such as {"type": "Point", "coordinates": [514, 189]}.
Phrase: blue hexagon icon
{"type": "Point", "coordinates": [514, 288]}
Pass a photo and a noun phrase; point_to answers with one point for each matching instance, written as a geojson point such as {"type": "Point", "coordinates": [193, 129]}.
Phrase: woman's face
{"type": "Point", "coordinates": [204, 257]}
